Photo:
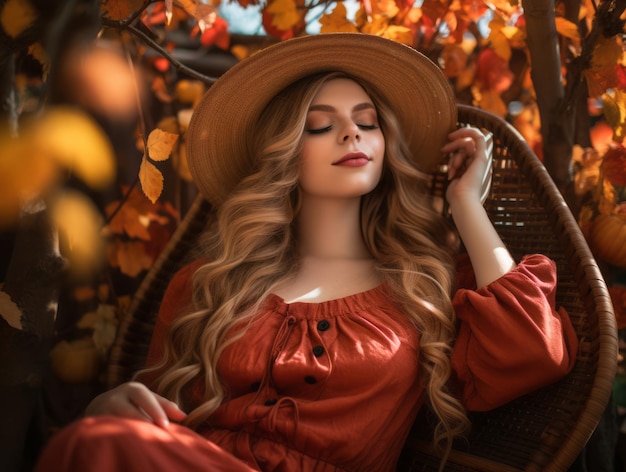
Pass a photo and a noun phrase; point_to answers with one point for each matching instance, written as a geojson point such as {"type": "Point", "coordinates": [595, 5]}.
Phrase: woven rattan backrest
{"type": "Point", "coordinates": [544, 430]}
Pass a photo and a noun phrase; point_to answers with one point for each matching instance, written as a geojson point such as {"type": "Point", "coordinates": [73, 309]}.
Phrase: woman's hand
{"type": "Point", "coordinates": [135, 400]}
{"type": "Point", "coordinates": [470, 178]}
{"type": "Point", "coordinates": [469, 165]}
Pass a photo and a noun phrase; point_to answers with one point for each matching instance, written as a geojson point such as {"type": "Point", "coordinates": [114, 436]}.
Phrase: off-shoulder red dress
{"type": "Point", "coordinates": [332, 386]}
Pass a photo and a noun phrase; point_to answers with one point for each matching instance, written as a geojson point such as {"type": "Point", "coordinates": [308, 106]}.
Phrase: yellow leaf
{"type": "Point", "coordinates": [500, 44]}
{"type": "Point", "coordinates": [285, 13]}
{"type": "Point", "coordinates": [179, 162]}
{"type": "Point", "coordinates": [567, 28]}
{"type": "Point", "coordinates": [151, 180]}
{"type": "Point", "coordinates": [607, 53]}
{"type": "Point", "coordinates": [16, 16]}
{"type": "Point", "coordinates": [376, 25]}
{"type": "Point", "coordinates": [78, 219]}
{"type": "Point", "coordinates": [160, 144]}
{"type": "Point", "coordinates": [614, 110]}
{"type": "Point", "coordinates": [401, 34]}
{"type": "Point", "coordinates": [77, 142]}
{"type": "Point", "coordinates": [387, 8]}
{"type": "Point", "coordinates": [337, 21]}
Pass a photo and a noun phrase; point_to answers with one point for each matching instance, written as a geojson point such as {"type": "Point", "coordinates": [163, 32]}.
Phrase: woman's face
{"type": "Point", "coordinates": [343, 145]}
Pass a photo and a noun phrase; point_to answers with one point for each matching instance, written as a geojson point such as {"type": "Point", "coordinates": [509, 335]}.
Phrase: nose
{"type": "Point", "coordinates": [350, 132]}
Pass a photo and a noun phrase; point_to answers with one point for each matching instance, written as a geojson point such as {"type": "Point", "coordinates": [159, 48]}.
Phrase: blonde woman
{"type": "Point", "coordinates": [327, 309]}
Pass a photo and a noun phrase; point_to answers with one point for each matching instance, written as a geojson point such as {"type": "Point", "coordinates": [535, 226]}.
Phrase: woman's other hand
{"type": "Point", "coordinates": [135, 400]}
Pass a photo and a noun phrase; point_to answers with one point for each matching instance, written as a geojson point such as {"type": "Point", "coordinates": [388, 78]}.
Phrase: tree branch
{"type": "Point", "coordinates": [179, 66]}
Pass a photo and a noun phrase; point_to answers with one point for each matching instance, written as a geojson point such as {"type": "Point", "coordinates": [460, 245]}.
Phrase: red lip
{"type": "Point", "coordinates": [353, 159]}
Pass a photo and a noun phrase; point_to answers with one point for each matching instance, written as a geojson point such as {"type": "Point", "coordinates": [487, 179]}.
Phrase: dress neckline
{"type": "Point", "coordinates": [338, 306]}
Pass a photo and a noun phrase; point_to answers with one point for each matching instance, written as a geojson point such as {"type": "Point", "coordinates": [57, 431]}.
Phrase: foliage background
{"type": "Point", "coordinates": [96, 97]}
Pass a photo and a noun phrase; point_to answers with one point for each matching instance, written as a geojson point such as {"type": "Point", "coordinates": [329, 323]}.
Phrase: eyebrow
{"type": "Point", "coordinates": [330, 108]}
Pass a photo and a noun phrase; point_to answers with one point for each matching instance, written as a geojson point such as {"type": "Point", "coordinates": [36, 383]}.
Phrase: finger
{"type": "Point", "coordinates": [146, 402]}
{"type": "Point", "coordinates": [171, 409]}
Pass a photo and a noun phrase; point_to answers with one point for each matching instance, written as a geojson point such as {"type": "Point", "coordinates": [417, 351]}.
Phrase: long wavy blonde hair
{"type": "Point", "coordinates": [252, 249]}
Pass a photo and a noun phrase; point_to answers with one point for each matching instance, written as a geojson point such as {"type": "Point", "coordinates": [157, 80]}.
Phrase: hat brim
{"type": "Point", "coordinates": [413, 86]}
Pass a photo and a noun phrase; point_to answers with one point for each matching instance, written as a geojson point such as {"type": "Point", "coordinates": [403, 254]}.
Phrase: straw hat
{"type": "Point", "coordinates": [412, 84]}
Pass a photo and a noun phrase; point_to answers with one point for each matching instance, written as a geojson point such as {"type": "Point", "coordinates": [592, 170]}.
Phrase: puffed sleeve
{"type": "Point", "coordinates": [512, 339]}
{"type": "Point", "coordinates": [176, 300]}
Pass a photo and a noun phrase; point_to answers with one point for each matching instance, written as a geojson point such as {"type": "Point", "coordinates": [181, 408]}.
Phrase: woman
{"type": "Point", "coordinates": [325, 311]}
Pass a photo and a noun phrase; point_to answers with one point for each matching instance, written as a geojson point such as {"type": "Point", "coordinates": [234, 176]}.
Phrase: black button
{"type": "Point", "coordinates": [318, 351]}
{"type": "Point", "coordinates": [270, 402]}
{"type": "Point", "coordinates": [255, 386]}
{"type": "Point", "coordinates": [323, 325]}
{"type": "Point", "coordinates": [310, 379]}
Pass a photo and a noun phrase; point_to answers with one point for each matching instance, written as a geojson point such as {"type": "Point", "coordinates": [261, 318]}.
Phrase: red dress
{"type": "Point", "coordinates": [332, 386]}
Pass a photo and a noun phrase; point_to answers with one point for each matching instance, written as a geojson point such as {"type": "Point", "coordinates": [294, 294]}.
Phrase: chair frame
{"type": "Point", "coordinates": [543, 431]}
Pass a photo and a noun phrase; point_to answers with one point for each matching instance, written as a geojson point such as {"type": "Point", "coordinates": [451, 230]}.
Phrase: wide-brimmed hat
{"type": "Point", "coordinates": [413, 86]}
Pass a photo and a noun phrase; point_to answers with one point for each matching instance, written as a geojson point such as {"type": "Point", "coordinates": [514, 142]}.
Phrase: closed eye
{"type": "Point", "coordinates": [319, 130]}
{"type": "Point", "coordinates": [368, 127]}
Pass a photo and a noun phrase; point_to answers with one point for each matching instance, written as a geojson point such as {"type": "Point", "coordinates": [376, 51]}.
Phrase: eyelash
{"type": "Point", "coordinates": [328, 128]}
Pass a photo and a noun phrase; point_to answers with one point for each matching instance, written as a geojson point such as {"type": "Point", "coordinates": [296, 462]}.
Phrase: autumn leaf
{"type": "Point", "coordinates": [16, 16]}
{"type": "Point", "coordinates": [119, 9]}
{"type": "Point", "coordinates": [127, 221]}
{"type": "Point", "coordinates": [160, 144]}
{"type": "Point", "coordinates": [10, 312]}
{"type": "Point", "coordinates": [607, 198]}
{"type": "Point", "coordinates": [79, 220]}
{"type": "Point", "coordinates": [386, 8]}
{"type": "Point", "coordinates": [434, 9]}
{"type": "Point", "coordinates": [284, 13]}
{"type": "Point", "coordinates": [607, 53]}
{"type": "Point", "coordinates": [614, 166]}
{"type": "Point", "coordinates": [614, 110]}
{"type": "Point", "coordinates": [401, 34]}
{"type": "Point", "coordinates": [499, 40]}
{"type": "Point", "coordinates": [168, 11]}
{"type": "Point", "coordinates": [151, 180]}
{"type": "Point", "coordinates": [216, 35]}
{"type": "Point", "coordinates": [75, 141]}
{"type": "Point", "coordinates": [337, 21]}
{"type": "Point", "coordinates": [180, 164]}
{"type": "Point", "coordinates": [130, 257]}
{"type": "Point", "coordinates": [567, 28]}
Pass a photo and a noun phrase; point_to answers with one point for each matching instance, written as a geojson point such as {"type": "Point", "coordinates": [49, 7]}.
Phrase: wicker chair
{"type": "Point", "coordinates": [545, 430]}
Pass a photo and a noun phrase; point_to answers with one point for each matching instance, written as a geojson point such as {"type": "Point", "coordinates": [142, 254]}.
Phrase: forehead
{"type": "Point", "coordinates": [341, 90]}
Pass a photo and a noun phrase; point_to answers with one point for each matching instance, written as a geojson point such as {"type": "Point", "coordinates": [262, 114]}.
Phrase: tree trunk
{"type": "Point", "coordinates": [557, 117]}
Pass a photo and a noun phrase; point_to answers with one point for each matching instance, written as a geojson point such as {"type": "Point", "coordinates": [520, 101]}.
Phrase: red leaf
{"type": "Point", "coordinates": [614, 166]}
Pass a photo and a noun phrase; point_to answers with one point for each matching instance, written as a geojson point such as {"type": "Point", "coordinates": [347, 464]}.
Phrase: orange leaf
{"type": "Point", "coordinates": [128, 220]}
{"type": "Point", "coordinates": [284, 13]}
{"type": "Point", "coordinates": [16, 16]}
{"type": "Point", "coordinates": [387, 8]}
{"type": "Point", "coordinates": [151, 180]}
{"type": "Point", "coordinates": [337, 21]}
{"type": "Point", "coordinates": [160, 144]}
{"type": "Point", "coordinates": [119, 9]}
{"type": "Point", "coordinates": [130, 257]}
{"type": "Point", "coordinates": [567, 28]}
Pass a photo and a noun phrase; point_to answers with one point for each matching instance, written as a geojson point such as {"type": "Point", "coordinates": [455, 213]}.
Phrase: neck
{"type": "Point", "coordinates": [330, 228]}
